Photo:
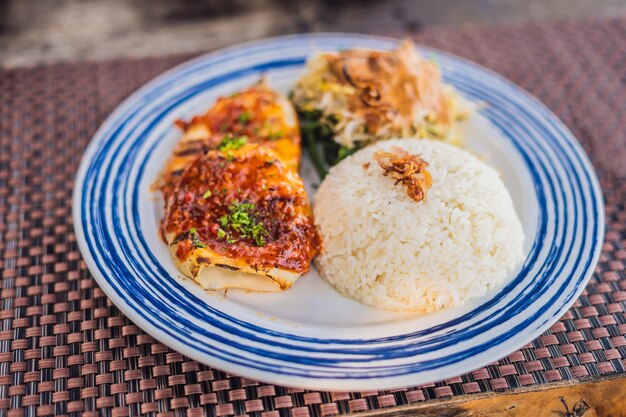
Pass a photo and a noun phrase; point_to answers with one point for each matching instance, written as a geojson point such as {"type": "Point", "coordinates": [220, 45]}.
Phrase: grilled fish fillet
{"type": "Point", "coordinates": [245, 213]}
{"type": "Point", "coordinates": [258, 114]}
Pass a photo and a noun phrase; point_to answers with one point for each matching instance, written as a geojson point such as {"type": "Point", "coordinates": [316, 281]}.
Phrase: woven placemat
{"type": "Point", "coordinates": [65, 349]}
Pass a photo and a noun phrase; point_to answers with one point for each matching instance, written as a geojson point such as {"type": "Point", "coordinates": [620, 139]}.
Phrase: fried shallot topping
{"type": "Point", "coordinates": [406, 168]}
{"type": "Point", "coordinates": [391, 88]}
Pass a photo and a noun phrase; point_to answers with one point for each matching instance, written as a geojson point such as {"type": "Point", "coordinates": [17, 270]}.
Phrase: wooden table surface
{"type": "Point", "coordinates": [595, 397]}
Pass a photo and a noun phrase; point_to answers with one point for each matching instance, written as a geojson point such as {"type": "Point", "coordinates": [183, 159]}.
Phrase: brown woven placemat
{"type": "Point", "coordinates": [65, 349]}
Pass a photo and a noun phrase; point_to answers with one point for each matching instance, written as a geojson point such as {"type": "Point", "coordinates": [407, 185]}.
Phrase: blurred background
{"type": "Point", "coordinates": [36, 31]}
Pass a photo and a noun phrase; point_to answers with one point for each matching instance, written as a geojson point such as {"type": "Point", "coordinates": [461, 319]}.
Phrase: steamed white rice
{"type": "Point", "coordinates": [386, 250]}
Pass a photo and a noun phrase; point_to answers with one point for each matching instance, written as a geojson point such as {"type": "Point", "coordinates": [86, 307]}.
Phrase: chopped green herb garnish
{"type": "Point", "coordinates": [195, 238]}
{"type": "Point", "coordinates": [276, 135]}
{"type": "Point", "coordinates": [220, 234]}
{"type": "Point", "coordinates": [242, 219]}
{"type": "Point", "coordinates": [232, 143]}
{"type": "Point", "coordinates": [245, 117]}
{"type": "Point", "coordinates": [207, 194]}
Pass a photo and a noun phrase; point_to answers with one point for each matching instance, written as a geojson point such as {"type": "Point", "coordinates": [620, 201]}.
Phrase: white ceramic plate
{"type": "Point", "coordinates": [310, 336]}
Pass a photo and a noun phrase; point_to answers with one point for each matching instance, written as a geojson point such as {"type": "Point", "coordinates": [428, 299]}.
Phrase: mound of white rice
{"type": "Point", "coordinates": [386, 250]}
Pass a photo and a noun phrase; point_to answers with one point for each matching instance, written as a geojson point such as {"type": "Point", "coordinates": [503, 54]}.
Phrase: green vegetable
{"type": "Point", "coordinates": [232, 143]}
{"type": "Point", "coordinates": [195, 238]}
{"type": "Point", "coordinates": [311, 128]}
{"type": "Point", "coordinates": [207, 194]}
{"type": "Point", "coordinates": [318, 138]}
{"type": "Point", "coordinates": [316, 157]}
{"type": "Point", "coordinates": [344, 152]}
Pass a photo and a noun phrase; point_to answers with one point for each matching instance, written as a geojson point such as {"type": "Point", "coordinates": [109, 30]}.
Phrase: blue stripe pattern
{"type": "Point", "coordinates": [565, 247]}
